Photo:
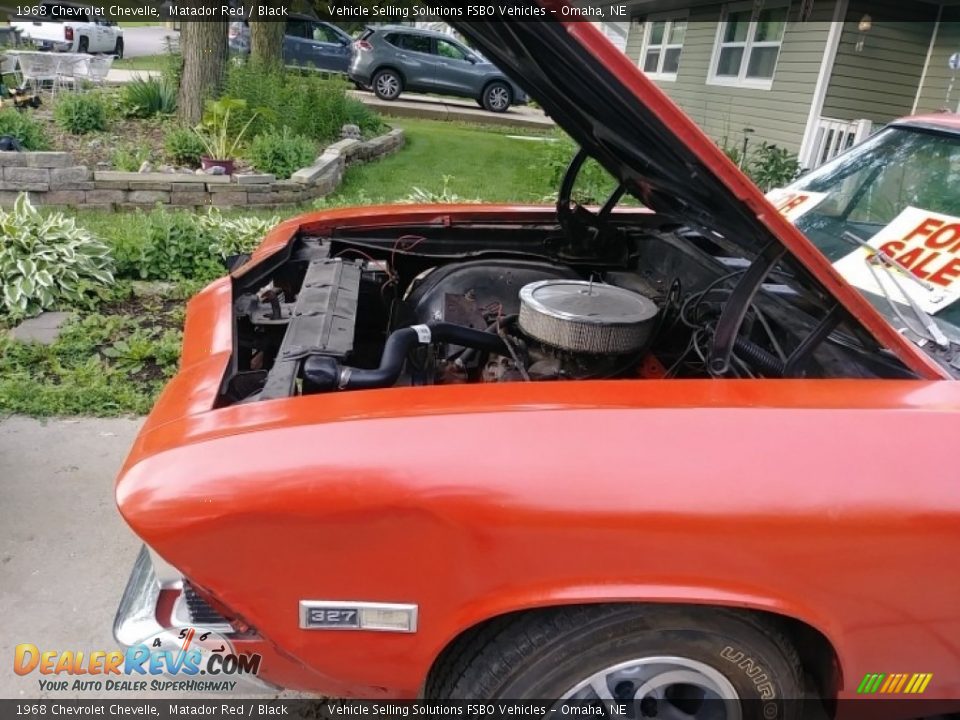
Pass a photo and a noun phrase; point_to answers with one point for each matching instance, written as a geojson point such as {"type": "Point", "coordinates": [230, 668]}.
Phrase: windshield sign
{"type": "Point", "coordinates": [887, 214]}
{"type": "Point", "coordinates": [923, 243]}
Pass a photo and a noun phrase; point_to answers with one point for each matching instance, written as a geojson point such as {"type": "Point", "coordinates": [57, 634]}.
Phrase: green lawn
{"type": "Point", "coordinates": [145, 62]}
{"type": "Point", "coordinates": [469, 162]}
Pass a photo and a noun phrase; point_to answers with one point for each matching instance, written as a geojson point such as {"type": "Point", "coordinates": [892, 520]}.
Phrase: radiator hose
{"type": "Point", "coordinates": [322, 373]}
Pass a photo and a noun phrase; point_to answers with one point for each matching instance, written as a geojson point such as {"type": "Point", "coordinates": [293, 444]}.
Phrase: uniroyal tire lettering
{"type": "Point", "coordinates": [757, 675]}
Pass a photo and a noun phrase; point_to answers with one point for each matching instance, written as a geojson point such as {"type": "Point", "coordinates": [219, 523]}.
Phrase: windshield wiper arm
{"type": "Point", "coordinates": [893, 269]}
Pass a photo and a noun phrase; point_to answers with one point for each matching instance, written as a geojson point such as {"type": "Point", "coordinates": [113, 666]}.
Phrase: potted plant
{"type": "Point", "coordinates": [214, 132]}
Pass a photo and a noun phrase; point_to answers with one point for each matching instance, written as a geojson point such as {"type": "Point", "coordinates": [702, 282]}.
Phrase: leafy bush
{"type": "Point", "coordinates": [182, 246]}
{"type": "Point", "coordinates": [771, 166]}
{"type": "Point", "coordinates": [594, 184]}
{"type": "Point", "coordinates": [129, 157]}
{"type": "Point", "coordinates": [219, 133]}
{"type": "Point", "coordinates": [45, 261]}
{"type": "Point", "coordinates": [172, 247]}
{"type": "Point", "coordinates": [281, 154]}
{"type": "Point", "coordinates": [24, 128]}
{"type": "Point", "coordinates": [81, 113]}
{"type": "Point", "coordinates": [310, 105]}
{"type": "Point", "coordinates": [183, 146]}
{"type": "Point", "coordinates": [146, 97]}
{"type": "Point", "coordinates": [233, 236]}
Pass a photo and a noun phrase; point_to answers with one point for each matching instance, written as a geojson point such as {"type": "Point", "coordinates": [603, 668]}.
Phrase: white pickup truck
{"type": "Point", "coordinates": [68, 27]}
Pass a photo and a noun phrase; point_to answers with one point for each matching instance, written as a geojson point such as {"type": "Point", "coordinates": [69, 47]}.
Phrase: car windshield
{"type": "Point", "coordinates": [898, 191]}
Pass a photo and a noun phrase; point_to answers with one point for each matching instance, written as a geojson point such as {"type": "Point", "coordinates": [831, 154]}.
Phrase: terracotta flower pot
{"type": "Point", "coordinates": [227, 165]}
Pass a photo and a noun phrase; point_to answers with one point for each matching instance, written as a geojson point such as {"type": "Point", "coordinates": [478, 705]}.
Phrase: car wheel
{"type": "Point", "coordinates": [387, 84]}
{"type": "Point", "coordinates": [704, 663]}
{"type": "Point", "coordinates": [83, 44]}
{"type": "Point", "coordinates": [496, 97]}
{"type": "Point", "coordinates": [118, 48]}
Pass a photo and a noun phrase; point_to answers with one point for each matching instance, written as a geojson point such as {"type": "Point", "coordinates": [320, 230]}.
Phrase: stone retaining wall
{"type": "Point", "coordinates": [52, 178]}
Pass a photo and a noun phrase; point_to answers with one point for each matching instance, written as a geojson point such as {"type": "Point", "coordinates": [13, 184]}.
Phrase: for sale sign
{"type": "Point", "coordinates": [794, 203]}
{"type": "Point", "coordinates": [924, 243]}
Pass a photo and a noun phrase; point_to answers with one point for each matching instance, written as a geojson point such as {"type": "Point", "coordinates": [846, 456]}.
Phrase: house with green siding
{"type": "Point", "coordinates": [813, 76]}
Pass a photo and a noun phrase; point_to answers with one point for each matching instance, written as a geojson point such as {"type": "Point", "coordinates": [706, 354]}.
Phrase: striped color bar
{"type": "Point", "coordinates": [893, 683]}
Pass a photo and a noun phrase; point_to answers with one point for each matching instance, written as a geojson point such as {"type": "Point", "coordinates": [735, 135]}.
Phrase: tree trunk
{"type": "Point", "coordinates": [204, 49]}
{"type": "Point", "coordinates": [266, 41]}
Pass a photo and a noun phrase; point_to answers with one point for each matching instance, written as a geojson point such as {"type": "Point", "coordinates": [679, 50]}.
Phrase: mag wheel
{"type": "Point", "coordinates": [496, 97]}
{"type": "Point", "coordinates": [670, 662]}
{"type": "Point", "coordinates": [387, 85]}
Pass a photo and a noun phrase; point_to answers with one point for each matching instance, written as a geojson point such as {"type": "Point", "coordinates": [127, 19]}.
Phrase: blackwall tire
{"type": "Point", "coordinates": [549, 654]}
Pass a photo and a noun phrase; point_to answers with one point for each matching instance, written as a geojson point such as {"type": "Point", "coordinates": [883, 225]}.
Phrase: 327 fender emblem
{"type": "Point", "coordinates": [333, 618]}
{"type": "Point", "coordinates": [354, 615]}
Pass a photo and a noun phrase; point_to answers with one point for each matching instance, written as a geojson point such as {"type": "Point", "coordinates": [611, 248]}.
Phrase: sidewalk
{"type": "Point", "coordinates": [119, 77]}
{"type": "Point", "coordinates": [447, 108]}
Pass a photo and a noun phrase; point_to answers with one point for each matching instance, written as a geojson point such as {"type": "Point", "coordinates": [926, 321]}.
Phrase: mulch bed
{"type": "Point", "coordinates": [95, 150]}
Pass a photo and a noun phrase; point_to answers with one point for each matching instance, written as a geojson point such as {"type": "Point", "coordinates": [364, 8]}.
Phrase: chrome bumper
{"type": "Point", "coordinates": [136, 617]}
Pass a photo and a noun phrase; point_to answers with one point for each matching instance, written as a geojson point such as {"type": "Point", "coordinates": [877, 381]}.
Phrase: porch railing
{"type": "Point", "coordinates": [835, 136]}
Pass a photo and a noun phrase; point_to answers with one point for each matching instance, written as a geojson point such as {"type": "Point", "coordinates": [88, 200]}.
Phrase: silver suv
{"type": "Point", "coordinates": [391, 59]}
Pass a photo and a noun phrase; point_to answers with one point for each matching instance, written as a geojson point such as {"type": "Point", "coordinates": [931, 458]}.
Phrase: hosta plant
{"type": "Point", "coordinates": [233, 236]}
{"type": "Point", "coordinates": [47, 260]}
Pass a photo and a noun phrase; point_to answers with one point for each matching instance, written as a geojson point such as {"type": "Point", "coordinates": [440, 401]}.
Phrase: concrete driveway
{"type": "Point", "coordinates": [141, 41]}
{"type": "Point", "coordinates": [64, 551]}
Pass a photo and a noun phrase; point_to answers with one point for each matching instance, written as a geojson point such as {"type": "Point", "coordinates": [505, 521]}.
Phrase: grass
{"type": "Point", "coordinates": [144, 62]}
{"type": "Point", "coordinates": [478, 165]}
{"type": "Point", "coordinates": [105, 363]}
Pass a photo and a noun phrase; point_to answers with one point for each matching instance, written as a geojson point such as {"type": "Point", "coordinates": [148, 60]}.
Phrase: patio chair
{"type": "Point", "coordinates": [39, 68]}
{"type": "Point", "coordinates": [99, 67]}
{"type": "Point", "coordinates": [74, 70]}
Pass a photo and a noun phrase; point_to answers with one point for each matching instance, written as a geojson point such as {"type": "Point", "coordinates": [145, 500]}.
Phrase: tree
{"type": "Point", "coordinates": [266, 41]}
{"type": "Point", "coordinates": [204, 49]}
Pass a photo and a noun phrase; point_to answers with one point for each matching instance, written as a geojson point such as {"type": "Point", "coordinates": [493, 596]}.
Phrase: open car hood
{"type": "Point", "coordinates": [606, 104]}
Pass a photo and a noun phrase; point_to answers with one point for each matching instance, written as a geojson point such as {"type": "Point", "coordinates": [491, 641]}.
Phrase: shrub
{"type": "Point", "coordinates": [146, 97]}
{"type": "Point", "coordinates": [173, 247]}
{"type": "Point", "coordinates": [308, 104]}
{"type": "Point", "coordinates": [45, 261]}
{"type": "Point", "coordinates": [281, 154]}
{"type": "Point", "coordinates": [81, 113]}
{"type": "Point", "coordinates": [233, 236]}
{"type": "Point", "coordinates": [129, 157]}
{"type": "Point", "coordinates": [183, 146]}
{"type": "Point", "coordinates": [771, 166]}
{"type": "Point", "coordinates": [593, 185]}
{"type": "Point", "coordinates": [24, 128]}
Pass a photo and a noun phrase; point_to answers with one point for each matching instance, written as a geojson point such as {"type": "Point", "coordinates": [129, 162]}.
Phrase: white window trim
{"type": "Point", "coordinates": [664, 46]}
{"type": "Point", "coordinates": [742, 80]}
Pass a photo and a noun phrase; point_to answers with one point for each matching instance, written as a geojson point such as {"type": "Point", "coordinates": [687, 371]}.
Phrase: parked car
{"type": "Point", "coordinates": [391, 59]}
{"type": "Point", "coordinates": [307, 43]}
{"type": "Point", "coordinates": [671, 454]}
{"type": "Point", "coordinates": [69, 27]}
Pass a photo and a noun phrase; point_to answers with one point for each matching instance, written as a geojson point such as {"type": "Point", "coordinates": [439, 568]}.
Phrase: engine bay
{"type": "Point", "coordinates": [363, 309]}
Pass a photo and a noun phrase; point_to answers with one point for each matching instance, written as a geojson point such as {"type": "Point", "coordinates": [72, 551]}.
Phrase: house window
{"type": "Point", "coordinates": [748, 45]}
{"type": "Point", "coordinates": [662, 45]}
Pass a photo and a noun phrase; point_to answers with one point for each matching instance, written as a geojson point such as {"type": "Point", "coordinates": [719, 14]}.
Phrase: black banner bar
{"type": "Point", "coordinates": [227, 708]}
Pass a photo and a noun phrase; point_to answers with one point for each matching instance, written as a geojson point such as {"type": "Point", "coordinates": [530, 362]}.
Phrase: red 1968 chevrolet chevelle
{"type": "Point", "coordinates": [699, 450]}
